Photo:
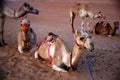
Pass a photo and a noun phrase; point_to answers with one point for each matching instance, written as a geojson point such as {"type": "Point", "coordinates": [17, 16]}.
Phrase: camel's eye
{"type": "Point", "coordinates": [25, 4]}
{"type": "Point", "coordinates": [31, 8]}
{"type": "Point", "coordinates": [82, 38]}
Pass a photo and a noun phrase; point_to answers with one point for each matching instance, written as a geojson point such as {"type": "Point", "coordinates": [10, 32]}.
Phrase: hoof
{"type": "Point", "coordinates": [74, 68]}
{"type": "Point", "coordinates": [4, 43]}
{"type": "Point", "coordinates": [1, 45]}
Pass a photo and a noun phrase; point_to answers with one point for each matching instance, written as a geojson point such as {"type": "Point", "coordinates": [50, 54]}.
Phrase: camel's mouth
{"type": "Point", "coordinates": [36, 12]}
{"type": "Point", "coordinates": [92, 47]}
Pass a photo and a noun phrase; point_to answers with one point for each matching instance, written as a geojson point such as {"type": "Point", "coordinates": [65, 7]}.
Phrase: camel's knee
{"type": "Point", "coordinates": [54, 67]}
{"type": "Point", "coordinates": [20, 49]}
{"type": "Point", "coordinates": [33, 49]}
{"type": "Point", "coordinates": [36, 54]}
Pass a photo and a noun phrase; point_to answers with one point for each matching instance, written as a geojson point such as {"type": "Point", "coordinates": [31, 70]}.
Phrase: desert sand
{"type": "Point", "coordinates": [54, 17]}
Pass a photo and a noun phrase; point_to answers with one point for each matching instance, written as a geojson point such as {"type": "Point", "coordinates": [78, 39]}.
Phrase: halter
{"type": "Point", "coordinates": [80, 47]}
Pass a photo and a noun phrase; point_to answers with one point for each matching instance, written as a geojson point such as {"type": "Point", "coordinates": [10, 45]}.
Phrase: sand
{"type": "Point", "coordinates": [54, 17]}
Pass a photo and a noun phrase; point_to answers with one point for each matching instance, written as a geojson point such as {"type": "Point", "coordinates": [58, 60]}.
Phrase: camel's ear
{"type": "Point", "coordinates": [76, 32]}
{"type": "Point", "coordinates": [26, 4]}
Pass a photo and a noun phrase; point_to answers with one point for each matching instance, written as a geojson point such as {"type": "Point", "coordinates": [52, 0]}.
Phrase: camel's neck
{"type": "Point", "coordinates": [12, 13]}
{"type": "Point", "coordinates": [94, 16]}
{"type": "Point", "coordinates": [113, 30]}
{"type": "Point", "coordinates": [76, 53]}
{"type": "Point", "coordinates": [25, 36]}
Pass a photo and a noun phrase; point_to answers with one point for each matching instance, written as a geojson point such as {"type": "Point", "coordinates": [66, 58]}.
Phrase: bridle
{"type": "Point", "coordinates": [80, 47]}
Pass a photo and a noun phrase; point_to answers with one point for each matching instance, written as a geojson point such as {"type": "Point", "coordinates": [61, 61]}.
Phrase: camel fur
{"type": "Point", "coordinates": [84, 12]}
{"type": "Point", "coordinates": [104, 28]}
{"type": "Point", "coordinates": [6, 11]}
{"type": "Point", "coordinates": [29, 36]}
{"type": "Point", "coordinates": [60, 55]}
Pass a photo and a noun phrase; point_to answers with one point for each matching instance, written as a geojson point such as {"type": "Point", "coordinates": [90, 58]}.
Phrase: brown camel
{"type": "Point", "coordinates": [84, 12]}
{"type": "Point", "coordinates": [6, 11]}
{"type": "Point", "coordinates": [58, 54]}
{"type": "Point", "coordinates": [104, 28]}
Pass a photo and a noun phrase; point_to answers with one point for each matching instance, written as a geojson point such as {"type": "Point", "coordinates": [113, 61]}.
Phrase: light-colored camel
{"type": "Point", "coordinates": [24, 43]}
{"type": "Point", "coordinates": [31, 34]}
{"type": "Point", "coordinates": [58, 54]}
{"type": "Point", "coordinates": [6, 11]}
{"type": "Point", "coordinates": [84, 12]}
{"type": "Point", "coordinates": [104, 28]}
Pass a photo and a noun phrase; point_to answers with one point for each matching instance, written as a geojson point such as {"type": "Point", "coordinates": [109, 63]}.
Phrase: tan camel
{"type": "Point", "coordinates": [6, 11]}
{"type": "Point", "coordinates": [104, 28]}
{"type": "Point", "coordinates": [24, 43]}
{"type": "Point", "coordinates": [27, 40]}
{"type": "Point", "coordinates": [58, 54]}
{"type": "Point", "coordinates": [84, 12]}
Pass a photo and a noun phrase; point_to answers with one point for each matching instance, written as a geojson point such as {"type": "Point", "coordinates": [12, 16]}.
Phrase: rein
{"type": "Point", "coordinates": [49, 57]}
{"type": "Point", "coordinates": [80, 46]}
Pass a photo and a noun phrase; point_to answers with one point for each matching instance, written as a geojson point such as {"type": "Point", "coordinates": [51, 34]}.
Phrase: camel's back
{"type": "Point", "coordinates": [76, 8]}
{"type": "Point", "coordinates": [60, 47]}
{"type": "Point", "coordinates": [103, 29]}
{"type": "Point", "coordinates": [54, 49]}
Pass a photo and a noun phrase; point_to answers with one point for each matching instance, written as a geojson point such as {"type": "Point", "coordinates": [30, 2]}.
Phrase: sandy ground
{"type": "Point", "coordinates": [54, 17]}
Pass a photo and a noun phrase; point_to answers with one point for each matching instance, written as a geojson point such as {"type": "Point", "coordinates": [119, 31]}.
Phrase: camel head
{"type": "Point", "coordinates": [84, 39]}
{"type": "Point", "coordinates": [99, 15]}
{"type": "Point", "coordinates": [27, 8]}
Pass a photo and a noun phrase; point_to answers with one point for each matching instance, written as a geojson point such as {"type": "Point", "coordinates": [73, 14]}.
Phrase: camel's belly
{"type": "Point", "coordinates": [46, 51]}
{"type": "Point", "coordinates": [83, 13]}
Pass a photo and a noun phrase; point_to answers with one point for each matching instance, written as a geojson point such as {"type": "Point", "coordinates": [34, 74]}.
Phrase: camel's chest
{"type": "Point", "coordinates": [83, 13]}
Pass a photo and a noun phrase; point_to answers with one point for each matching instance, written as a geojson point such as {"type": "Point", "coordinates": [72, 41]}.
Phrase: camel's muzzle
{"type": "Point", "coordinates": [92, 47]}
{"type": "Point", "coordinates": [36, 12]}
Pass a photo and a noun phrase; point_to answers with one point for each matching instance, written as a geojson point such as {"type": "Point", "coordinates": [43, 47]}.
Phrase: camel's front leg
{"type": "Point", "coordinates": [20, 49]}
{"type": "Point", "coordinates": [2, 41]}
{"type": "Point", "coordinates": [54, 67]}
{"type": "Point", "coordinates": [82, 25]}
{"type": "Point", "coordinates": [72, 17]}
{"type": "Point", "coordinates": [88, 26]}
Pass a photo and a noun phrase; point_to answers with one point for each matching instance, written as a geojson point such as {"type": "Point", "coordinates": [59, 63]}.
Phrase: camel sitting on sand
{"type": "Point", "coordinates": [84, 12]}
{"type": "Point", "coordinates": [27, 39]}
{"type": "Point", "coordinates": [58, 54]}
{"type": "Point", "coordinates": [6, 11]}
{"type": "Point", "coordinates": [104, 28]}
{"type": "Point", "coordinates": [24, 43]}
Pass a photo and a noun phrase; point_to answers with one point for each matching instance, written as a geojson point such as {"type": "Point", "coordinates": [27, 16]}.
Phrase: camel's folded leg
{"type": "Point", "coordinates": [36, 54]}
{"type": "Point", "coordinates": [33, 49]}
{"type": "Point", "coordinates": [58, 68]}
{"type": "Point", "coordinates": [20, 49]}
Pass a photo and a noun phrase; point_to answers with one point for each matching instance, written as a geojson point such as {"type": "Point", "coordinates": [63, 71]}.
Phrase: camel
{"type": "Point", "coordinates": [24, 43]}
{"type": "Point", "coordinates": [21, 12]}
{"type": "Point", "coordinates": [84, 12]}
{"type": "Point", "coordinates": [104, 28]}
{"type": "Point", "coordinates": [27, 40]}
{"type": "Point", "coordinates": [59, 55]}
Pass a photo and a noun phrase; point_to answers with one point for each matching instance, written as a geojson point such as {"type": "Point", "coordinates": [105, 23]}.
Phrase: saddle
{"type": "Point", "coordinates": [51, 41]}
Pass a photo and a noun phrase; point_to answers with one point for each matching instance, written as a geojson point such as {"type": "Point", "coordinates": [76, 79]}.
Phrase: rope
{"type": "Point", "coordinates": [89, 68]}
